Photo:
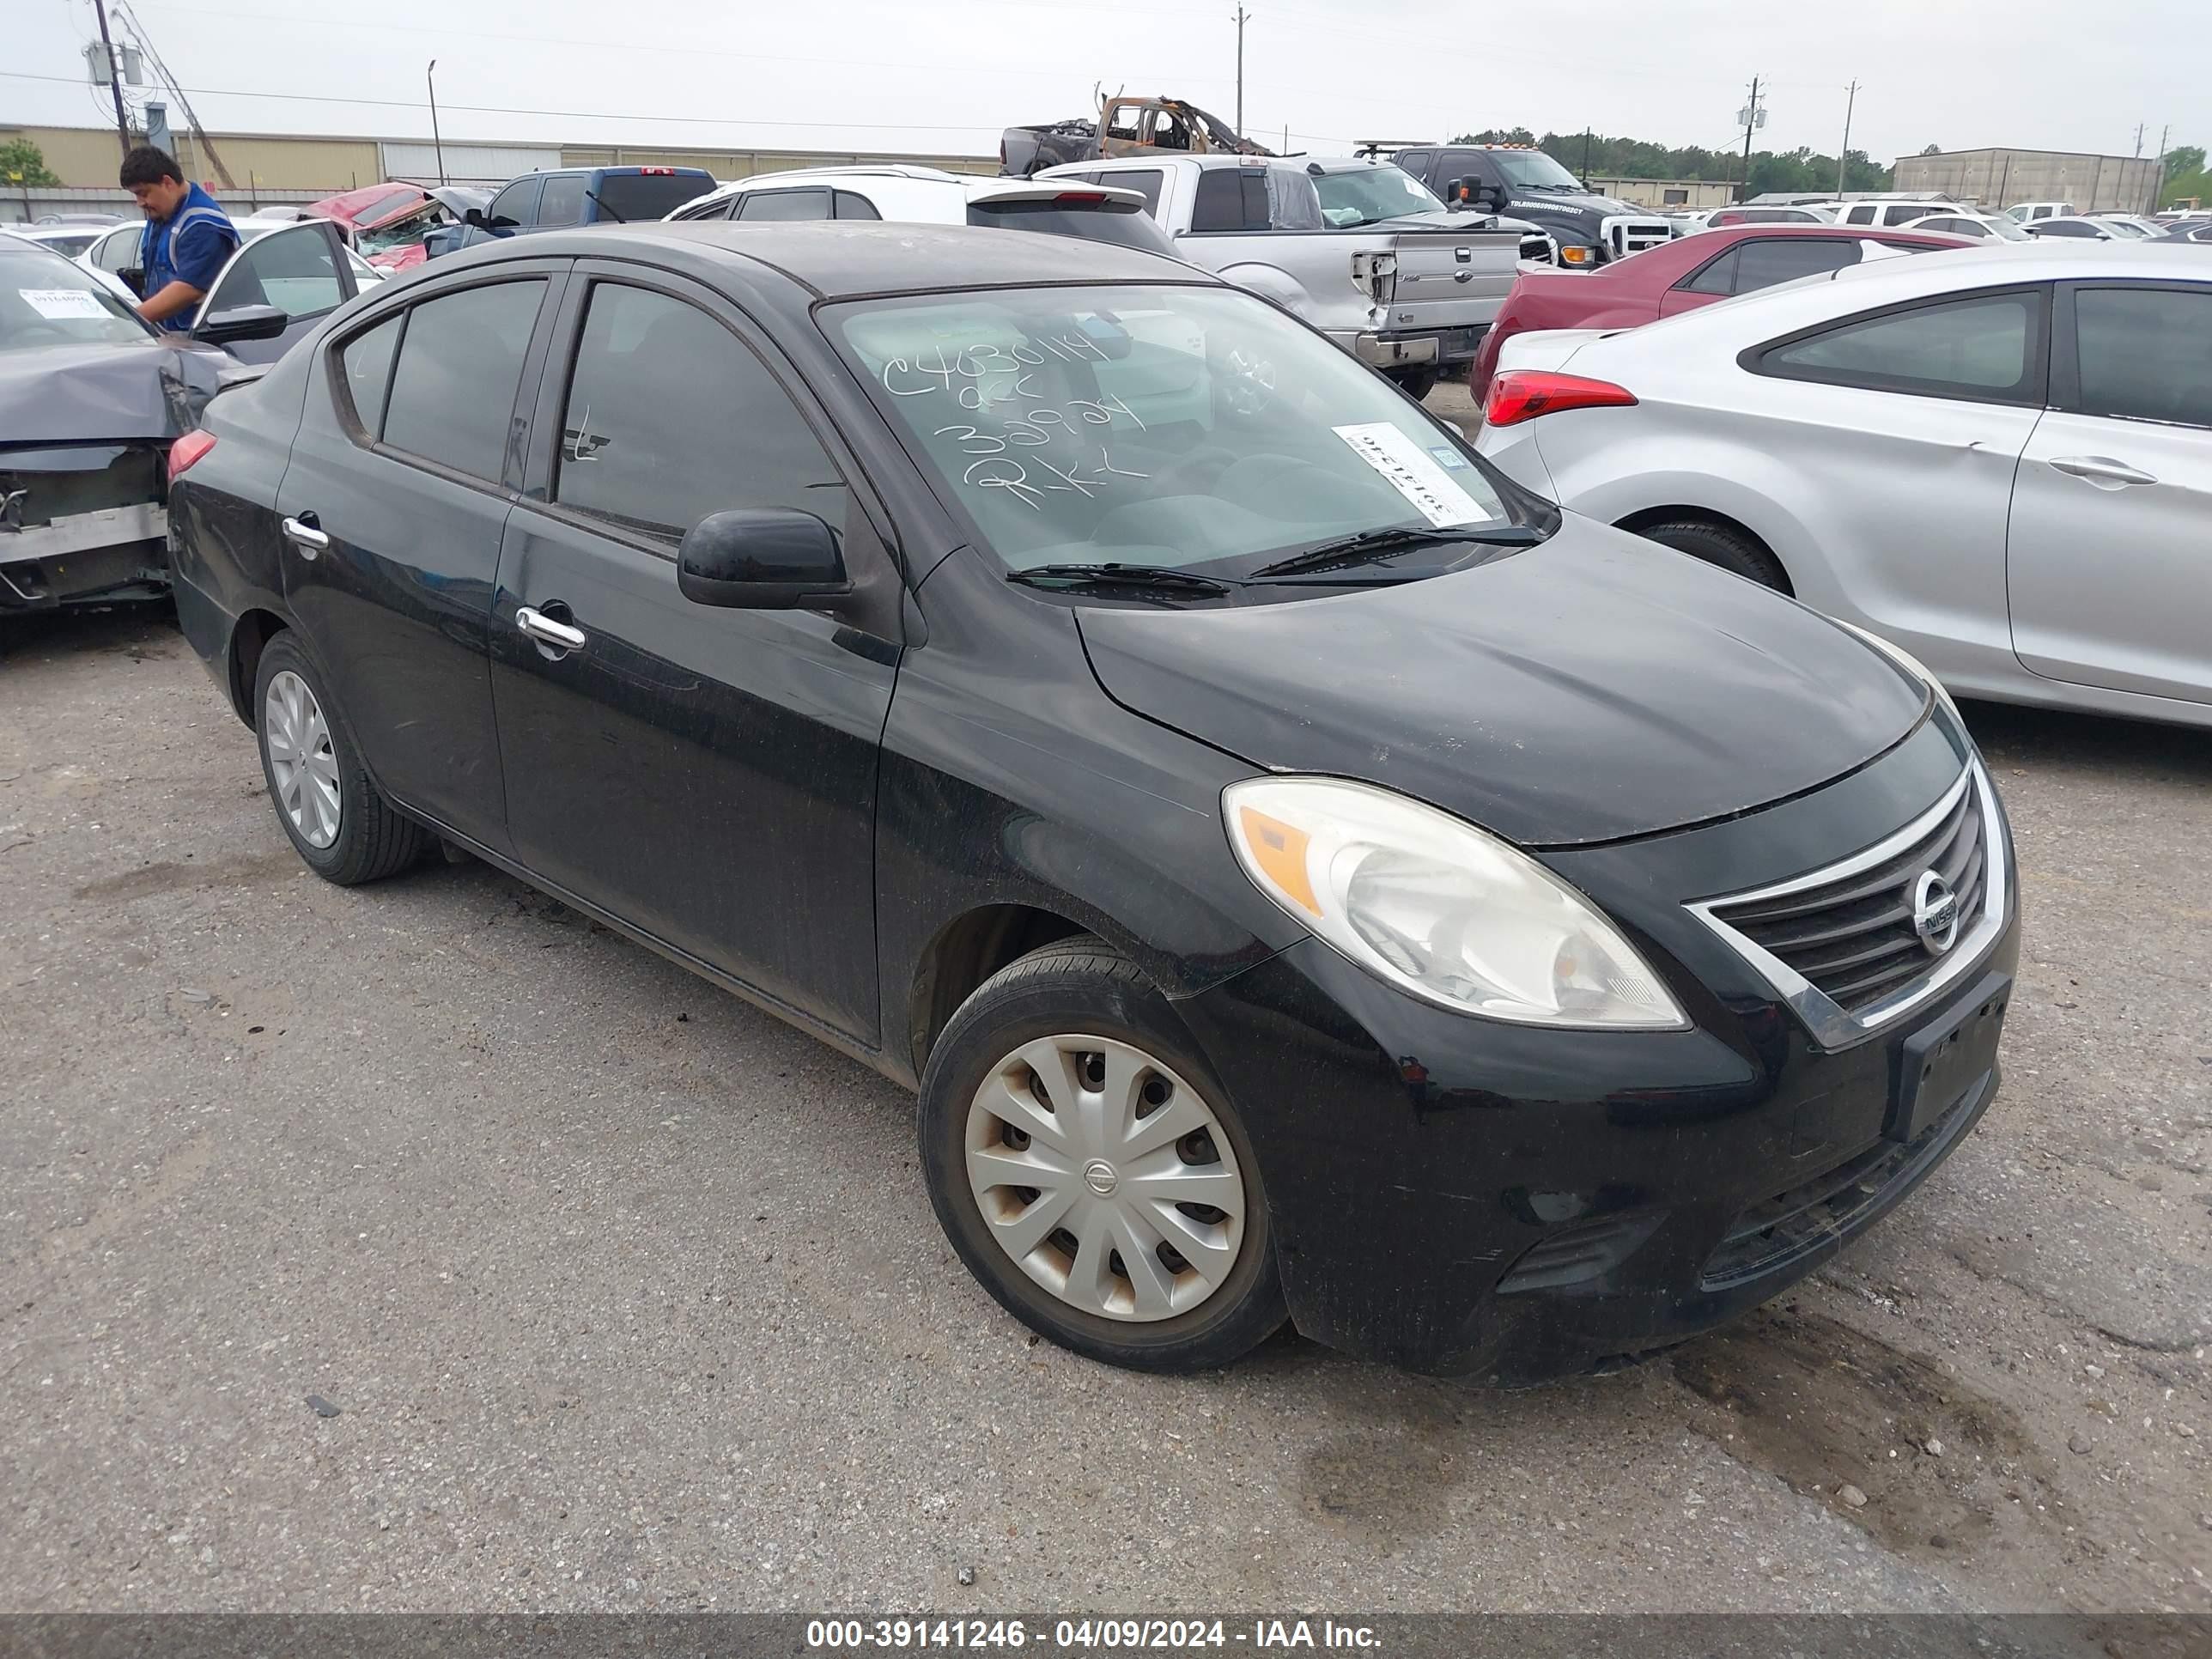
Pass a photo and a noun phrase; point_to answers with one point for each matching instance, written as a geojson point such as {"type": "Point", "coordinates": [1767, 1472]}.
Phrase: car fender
{"type": "Point", "coordinates": [1606, 472]}
{"type": "Point", "coordinates": [1274, 282]}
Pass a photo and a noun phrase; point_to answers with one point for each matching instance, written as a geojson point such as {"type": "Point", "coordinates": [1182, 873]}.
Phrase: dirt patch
{"type": "Point", "coordinates": [1887, 1439]}
{"type": "Point", "coordinates": [1388, 1483]}
{"type": "Point", "coordinates": [168, 877]}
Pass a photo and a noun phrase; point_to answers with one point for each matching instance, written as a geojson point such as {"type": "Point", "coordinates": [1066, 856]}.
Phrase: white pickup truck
{"type": "Point", "coordinates": [1409, 292]}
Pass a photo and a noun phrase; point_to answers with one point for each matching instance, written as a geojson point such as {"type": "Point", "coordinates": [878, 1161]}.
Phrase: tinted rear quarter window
{"type": "Point", "coordinates": [1144, 180]}
{"type": "Point", "coordinates": [1982, 348]}
{"type": "Point", "coordinates": [852, 205]}
{"type": "Point", "coordinates": [670, 417]}
{"type": "Point", "coordinates": [634, 197]}
{"type": "Point", "coordinates": [1717, 277]}
{"type": "Point", "coordinates": [453, 390]}
{"type": "Point", "coordinates": [367, 362]}
{"type": "Point", "coordinates": [2146, 354]}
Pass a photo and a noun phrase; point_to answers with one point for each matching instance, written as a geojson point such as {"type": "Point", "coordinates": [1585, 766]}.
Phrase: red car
{"type": "Point", "coordinates": [1693, 271]}
{"type": "Point", "coordinates": [386, 222]}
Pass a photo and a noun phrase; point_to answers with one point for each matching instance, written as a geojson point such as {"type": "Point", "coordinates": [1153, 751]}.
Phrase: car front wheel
{"type": "Point", "coordinates": [1091, 1170]}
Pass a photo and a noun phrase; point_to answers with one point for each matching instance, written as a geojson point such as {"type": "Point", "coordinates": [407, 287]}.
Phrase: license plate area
{"type": "Point", "coordinates": [1939, 1063]}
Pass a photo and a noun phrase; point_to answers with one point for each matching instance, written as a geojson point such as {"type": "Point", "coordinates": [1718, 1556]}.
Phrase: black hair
{"type": "Point", "coordinates": [150, 165]}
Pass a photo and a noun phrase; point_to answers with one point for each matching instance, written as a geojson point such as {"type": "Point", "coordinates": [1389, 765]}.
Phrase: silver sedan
{"type": "Point", "coordinates": [2001, 459]}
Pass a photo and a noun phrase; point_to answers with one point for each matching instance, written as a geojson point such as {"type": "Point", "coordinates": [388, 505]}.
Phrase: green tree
{"type": "Point", "coordinates": [2186, 180]}
{"type": "Point", "coordinates": [20, 155]}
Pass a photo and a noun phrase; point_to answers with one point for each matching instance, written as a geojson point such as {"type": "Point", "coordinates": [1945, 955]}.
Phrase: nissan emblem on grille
{"type": "Point", "coordinates": [1935, 913]}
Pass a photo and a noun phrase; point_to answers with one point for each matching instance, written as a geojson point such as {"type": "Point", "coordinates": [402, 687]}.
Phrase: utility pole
{"type": "Point", "coordinates": [1241, 18]}
{"type": "Point", "coordinates": [2159, 189]}
{"type": "Point", "coordinates": [114, 85]}
{"type": "Point", "coordinates": [1753, 117]}
{"type": "Point", "coordinates": [1586, 153]}
{"type": "Point", "coordinates": [2140, 125]}
{"type": "Point", "coordinates": [1843, 156]}
{"type": "Point", "coordinates": [430, 74]}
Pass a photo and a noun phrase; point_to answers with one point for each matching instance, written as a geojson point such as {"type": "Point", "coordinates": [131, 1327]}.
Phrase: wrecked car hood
{"type": "Point", "coordinates": [99, 393]}
{"type": "Point", "coordinates": [1595, 687]}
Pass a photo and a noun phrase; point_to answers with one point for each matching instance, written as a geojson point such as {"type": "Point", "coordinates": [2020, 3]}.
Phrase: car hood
{"type": "Point", "coordinates": [1597, 687]}
{"type": "Point", "coordinates": [1604, 206]}
{"type": "Point", "coordinates": [106, 392]}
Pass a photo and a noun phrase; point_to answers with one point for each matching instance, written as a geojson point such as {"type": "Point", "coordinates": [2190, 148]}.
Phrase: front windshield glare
{"type": "Point", "coordinates": [1360, 196]}
{"type": "Point", "coordinates": [45, 300]}
{"type": "Point", "coordinates": [1157, 427]}
{"type": "Point", "coordinates": [1534, 169]}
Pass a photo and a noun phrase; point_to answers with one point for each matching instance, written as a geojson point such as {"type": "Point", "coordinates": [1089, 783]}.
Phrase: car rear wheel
{"type": "Point", "coordinates": [1731, 550]}
{"type": "Point", "coordinates": [1090, 1170]}
{"type": "Point", "coordinates": [338, 820]}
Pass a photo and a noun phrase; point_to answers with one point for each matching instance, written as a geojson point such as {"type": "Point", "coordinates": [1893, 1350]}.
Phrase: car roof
{"type": "Point", "coordinates": [843, 260]}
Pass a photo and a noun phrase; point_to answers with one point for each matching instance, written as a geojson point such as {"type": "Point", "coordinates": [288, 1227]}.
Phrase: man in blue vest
{"type": "Point", "coordinates": [186, 240]}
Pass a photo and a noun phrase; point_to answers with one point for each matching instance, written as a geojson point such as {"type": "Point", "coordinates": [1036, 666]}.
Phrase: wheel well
{"type": "Point", "coordinates": [1637, 523]}
{"type": "Point", "coordinates": [247, 641]}
{"type": "Point", "coordinates": [965, 954]}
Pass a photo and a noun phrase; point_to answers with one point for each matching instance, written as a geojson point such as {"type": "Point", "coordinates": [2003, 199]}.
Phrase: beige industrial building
{"type": "Point", "coordinates": [1997, 179]}
{"type": "Point", "coordinates": [281, 164]}
{"type": "Point", "coordinates": [1661, 193]}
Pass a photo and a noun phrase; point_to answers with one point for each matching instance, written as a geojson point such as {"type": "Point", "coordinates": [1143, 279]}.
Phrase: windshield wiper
{"type": "Point", "coordinates": [1158, 578]}
{"type": "Point", "coordinates": [605, 208]}
{"type": "Point", "coordinates": [1380, 544]}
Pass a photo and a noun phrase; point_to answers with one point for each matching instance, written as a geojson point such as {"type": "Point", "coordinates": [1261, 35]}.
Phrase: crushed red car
{"type": "Point", "coordinates": [1683, 275]}
{"type": "Point", "coordinates": [387, 222]}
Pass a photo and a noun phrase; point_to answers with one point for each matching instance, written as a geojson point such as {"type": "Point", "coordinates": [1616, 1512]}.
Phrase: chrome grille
{"type": "Point", "coordinates": [1624, 236]}
{"type": "Point", "coordinates": [1841, 944]}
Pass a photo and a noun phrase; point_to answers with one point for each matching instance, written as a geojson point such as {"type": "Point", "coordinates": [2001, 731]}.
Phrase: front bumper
{"type": "Point", "coordinates": [1463, 1197]}
{"type": "Point", "coordinates": [105, 553]}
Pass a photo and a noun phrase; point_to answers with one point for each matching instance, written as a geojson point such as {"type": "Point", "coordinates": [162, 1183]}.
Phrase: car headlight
{"type": "Point", "coordinates": [1904, 659]}
{"type": "Point", "coordinates": [1439, 909]}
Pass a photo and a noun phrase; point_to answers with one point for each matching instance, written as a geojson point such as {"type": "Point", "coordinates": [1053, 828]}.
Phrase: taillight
{"type": "Point", "coordinates": [187, 449]}
{"type": "Point", "coordinates": [657, 173]}
{"type": "Point", "coordinates": [1523, 394]}
{"type": "Point", "coordinates": [1081, 196]}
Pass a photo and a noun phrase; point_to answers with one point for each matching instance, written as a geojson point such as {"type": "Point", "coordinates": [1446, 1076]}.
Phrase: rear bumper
{"type": "Point", "coordinates": [99, 557]}
{"type": "Point", "coordinates": [1415, 348]}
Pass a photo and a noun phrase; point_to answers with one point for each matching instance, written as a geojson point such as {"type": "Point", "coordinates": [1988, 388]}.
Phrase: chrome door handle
{"type": "Point", "coordinates": [543, 629]}
{"type": "Point", "coordinates": [304, 536]}
{"type": "Point", "coordinates": [2100, 469]}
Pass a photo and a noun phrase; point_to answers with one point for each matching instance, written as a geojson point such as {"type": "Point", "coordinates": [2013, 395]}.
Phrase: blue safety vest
{"type": "Point", "coordinates": [158, 252]}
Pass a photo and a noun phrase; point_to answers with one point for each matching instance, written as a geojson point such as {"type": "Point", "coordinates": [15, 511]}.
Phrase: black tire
{"type": "Point", "coordinates": [372, 841]}
{"type": "Point", "coordinates": [1716, 544]}
{"type": "Point", "coordinates": [1415, 383]}
{"type": "Point", "coordinates": [1080, 985]}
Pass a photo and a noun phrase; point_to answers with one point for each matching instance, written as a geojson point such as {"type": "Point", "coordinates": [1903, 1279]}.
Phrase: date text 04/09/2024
{"type": "Point", "coordinates": [1088, 1635]}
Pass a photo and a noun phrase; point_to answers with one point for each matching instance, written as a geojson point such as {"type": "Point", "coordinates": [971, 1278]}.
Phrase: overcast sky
{"type": "Point", "coordinates": [946, 75]}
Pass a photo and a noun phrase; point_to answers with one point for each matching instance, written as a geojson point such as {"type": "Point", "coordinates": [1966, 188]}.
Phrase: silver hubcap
{"type": "Point", "coordinates": [1106, 1177]}
{"type": "Point", "coordinates": [298, 740]}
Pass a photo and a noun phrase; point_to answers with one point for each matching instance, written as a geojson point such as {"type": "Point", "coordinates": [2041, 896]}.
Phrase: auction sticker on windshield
{"type": "Point", "coordinates": [58, 304]}
{"type": "Point", "coordinates": [1412, 472]}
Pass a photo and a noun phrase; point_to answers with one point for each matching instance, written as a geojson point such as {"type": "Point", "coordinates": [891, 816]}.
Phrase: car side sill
{"type": "Point", "coordinates": [875, 1060]}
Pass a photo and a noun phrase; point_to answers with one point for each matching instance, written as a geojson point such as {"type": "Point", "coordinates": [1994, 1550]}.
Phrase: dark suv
{"type": "Point", "coordinates": [566, 196]}
{"type": "Point", "coordinates": [1591, 230]}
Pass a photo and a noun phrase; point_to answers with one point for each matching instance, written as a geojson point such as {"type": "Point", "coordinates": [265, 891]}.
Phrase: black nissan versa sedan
{"type": "Point", "coordinates": [1305, 877]}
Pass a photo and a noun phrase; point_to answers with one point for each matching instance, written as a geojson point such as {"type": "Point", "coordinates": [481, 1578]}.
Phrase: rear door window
{"type": "Point", "coordinates": [563, 201]}
{"type": "Point", "coordinates": [451, 399]}
{"type": "Point", "coordinates": [772, 206]}
{"type": "Point", "coordinates": [1987, 349]}
{"type": "Point", "coordinates": [2145, 353]}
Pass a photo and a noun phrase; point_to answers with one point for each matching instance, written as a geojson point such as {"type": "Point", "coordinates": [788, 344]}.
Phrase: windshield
{"type": "Point", "coordinates": [1158, 427]}
{"type": "Point", "coordinates": [2005, 230]}
{"type": "Point", "coordinates": [47, 300]}
{"type": "Point", "coordinates": [1361, 196]}
{"type": "Point", "coordinates": [401, 233]}
{"type": "Point", "coordinates": [1534, 170]}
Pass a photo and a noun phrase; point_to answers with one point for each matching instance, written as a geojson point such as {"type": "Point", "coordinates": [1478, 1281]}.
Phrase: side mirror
{"type": "Point", "coordinates": [474, 219]}
{"type": "Point", "coordinates": [761, 559]}
{"type": "Point", "coordinates": [242, 323]}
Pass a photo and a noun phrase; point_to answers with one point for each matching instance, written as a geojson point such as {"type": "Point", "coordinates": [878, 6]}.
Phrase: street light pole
{"type": "Point", "coordinates": [1241, 18]}
{"type": "Point", "coordinates": [114, 85]}
{"type": "Point", "coordinates": [430, 74]}
{"type": "Point", "coordinates": [1843, 156]}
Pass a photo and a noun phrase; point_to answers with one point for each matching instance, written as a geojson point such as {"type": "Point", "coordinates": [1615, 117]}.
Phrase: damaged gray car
{"type": "Point", "coordinates": [91, 398]}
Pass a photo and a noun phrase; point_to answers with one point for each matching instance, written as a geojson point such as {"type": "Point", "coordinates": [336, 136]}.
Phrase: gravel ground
{"type": "Point", "coordinates": [620, 1295]}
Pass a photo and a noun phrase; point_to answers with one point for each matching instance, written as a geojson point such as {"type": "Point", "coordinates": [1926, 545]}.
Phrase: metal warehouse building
{"type": "Point", "coordinates": [1995, 178]}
